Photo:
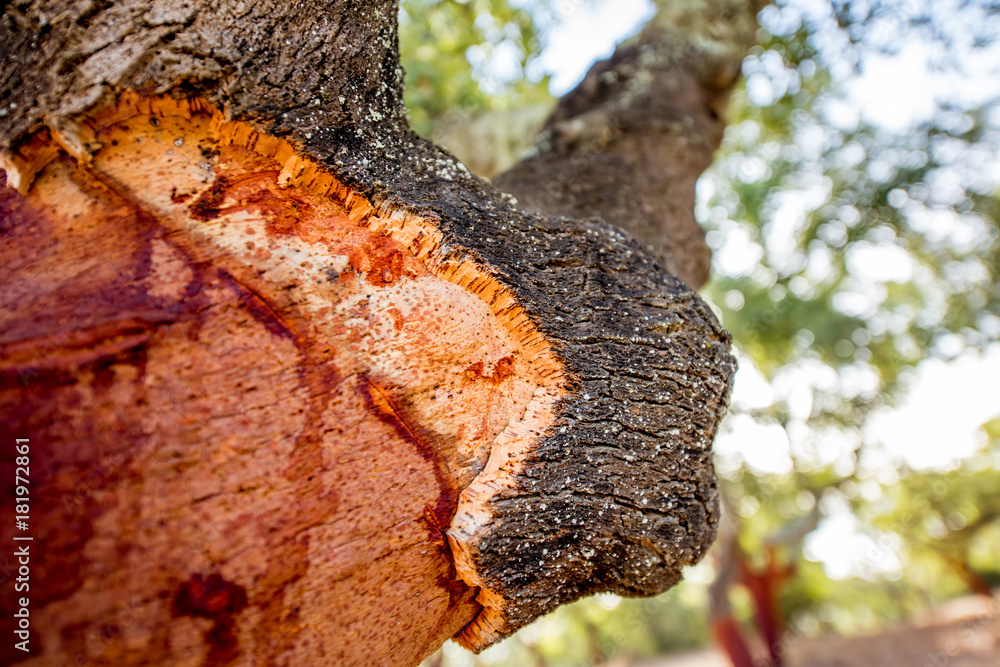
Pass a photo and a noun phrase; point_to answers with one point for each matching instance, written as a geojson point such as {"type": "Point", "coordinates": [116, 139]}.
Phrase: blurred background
{"type": "Point", "coordinates": [852, 212]}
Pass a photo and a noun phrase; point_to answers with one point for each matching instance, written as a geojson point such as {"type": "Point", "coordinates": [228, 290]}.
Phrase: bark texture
{"type": "Point", "coordinates": [228, 336]}
{"type": "Point", "coordinates": [629, 143]}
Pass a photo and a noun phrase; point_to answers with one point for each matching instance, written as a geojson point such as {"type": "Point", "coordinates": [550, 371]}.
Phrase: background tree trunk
{"type": "Point", "coordinates": [298, 388]}
{"type": "Point", "coordinates": [629, 142]}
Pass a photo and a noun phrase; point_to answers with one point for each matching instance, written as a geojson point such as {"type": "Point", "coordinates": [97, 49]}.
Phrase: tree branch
{"type": "Point", "coordinates": [628, 144]}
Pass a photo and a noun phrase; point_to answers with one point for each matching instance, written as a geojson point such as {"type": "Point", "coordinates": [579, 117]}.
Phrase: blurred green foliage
{"type": "Point", "coordinates": [856, 195]}
{"type": "Point", "coordinates": [846, 253]}
{"type": "Point", "coordinates": [953, 515]}
{"type": "Point", "coordinates": [470, 55]}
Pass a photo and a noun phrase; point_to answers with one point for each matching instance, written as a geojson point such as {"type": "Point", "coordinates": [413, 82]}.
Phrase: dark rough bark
{"type": "Point", "coordinates": [618, 494]}
{"type": "Point", "coordinates": [629, 143]}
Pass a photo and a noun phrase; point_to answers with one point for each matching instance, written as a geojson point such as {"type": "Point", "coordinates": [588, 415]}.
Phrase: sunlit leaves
{"type": "Point", "coordinates": [469, 55]}
{"type": "Point", "coordinates": [875, 246]}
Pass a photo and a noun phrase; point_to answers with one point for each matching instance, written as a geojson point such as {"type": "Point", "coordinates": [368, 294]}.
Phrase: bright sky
{"type": "Point", "coordinates": [587, 32]}
{"type": "Point", "coordinates": [938, 421]}
{"type": "Point", "coordinates": [895, 91]}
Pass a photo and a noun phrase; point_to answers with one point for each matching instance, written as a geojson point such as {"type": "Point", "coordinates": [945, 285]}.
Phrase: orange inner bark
{"type": "Point", "coordinates": [307, 387]}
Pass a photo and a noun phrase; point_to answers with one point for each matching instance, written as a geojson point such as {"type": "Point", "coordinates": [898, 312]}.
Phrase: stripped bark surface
{"type": "Point", "coordinates": [299, 388]}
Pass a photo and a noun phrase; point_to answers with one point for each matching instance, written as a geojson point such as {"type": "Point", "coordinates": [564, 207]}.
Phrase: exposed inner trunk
{"type": "Point", "coordinates": [298, 386]}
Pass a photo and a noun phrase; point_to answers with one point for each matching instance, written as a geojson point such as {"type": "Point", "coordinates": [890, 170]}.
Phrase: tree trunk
{"type": "Point", "coordinates": [296, 388]}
